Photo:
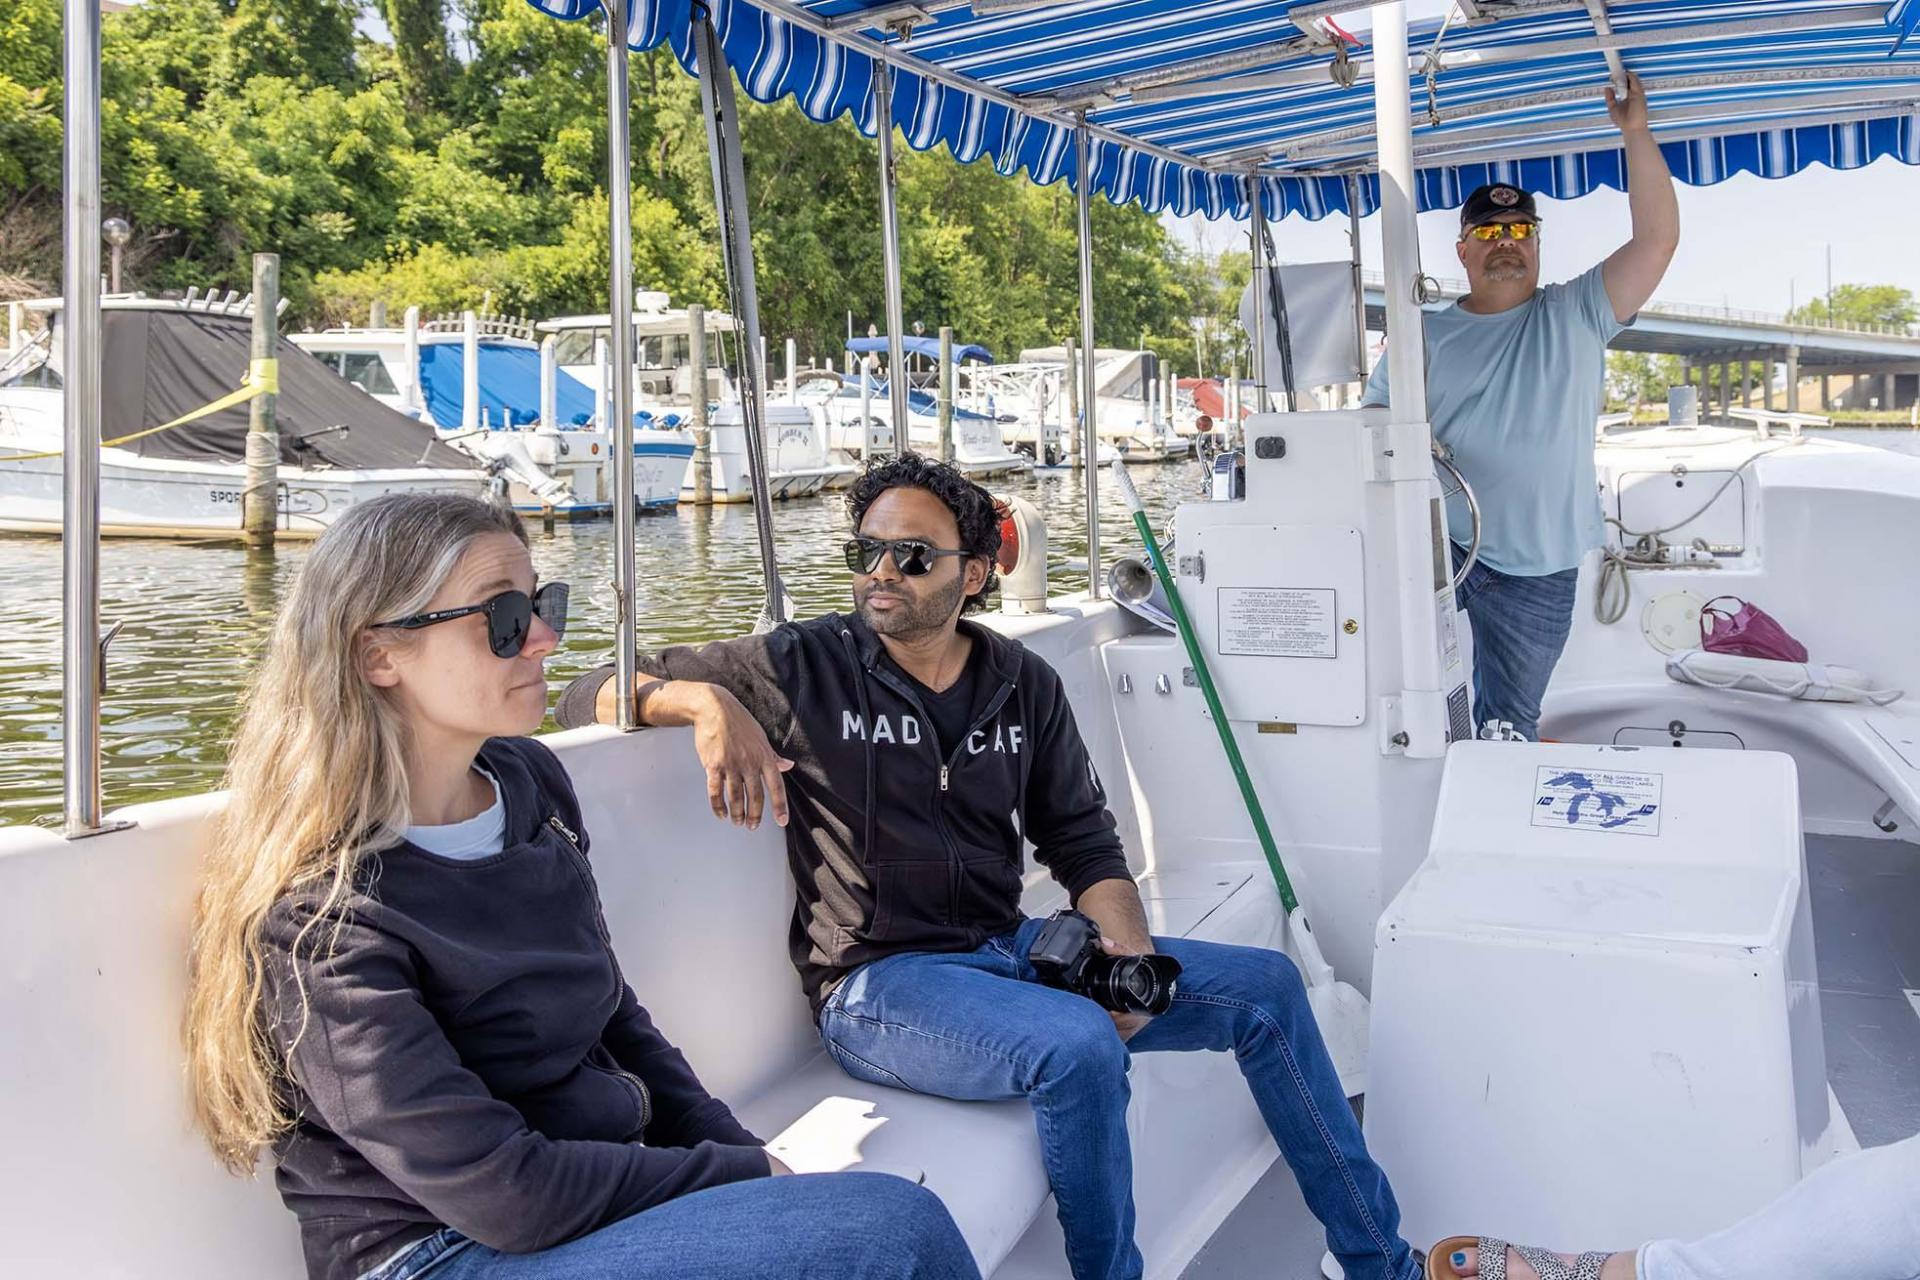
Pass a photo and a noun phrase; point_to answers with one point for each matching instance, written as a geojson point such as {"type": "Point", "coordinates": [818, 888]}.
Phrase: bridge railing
{"type": "Point", "coordinates": [1454, 288]}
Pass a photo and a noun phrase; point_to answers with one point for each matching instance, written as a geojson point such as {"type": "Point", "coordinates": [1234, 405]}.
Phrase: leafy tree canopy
{"type": "Point", "coordinates": [464, 161]}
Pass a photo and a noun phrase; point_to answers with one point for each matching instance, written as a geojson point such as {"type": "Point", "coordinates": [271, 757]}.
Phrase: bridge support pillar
{"type": "Point", "coordinates": [1793, 379]}
{"type": "Point", "coordinates": [1826, 394]}
{"type": "Point", "coordinates": [1726, 389]}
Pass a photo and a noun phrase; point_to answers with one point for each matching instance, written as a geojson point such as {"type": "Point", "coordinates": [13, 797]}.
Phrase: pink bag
{"type": "Point", "coordinates": [1748, 631]}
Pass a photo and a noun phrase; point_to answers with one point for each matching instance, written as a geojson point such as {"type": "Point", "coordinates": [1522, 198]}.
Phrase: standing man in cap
{"type": "Point", "coordinates": [1515, 382]}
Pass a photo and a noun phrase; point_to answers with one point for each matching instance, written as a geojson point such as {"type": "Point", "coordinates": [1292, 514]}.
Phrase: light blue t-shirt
{"type": "Point", "coordinates": [1515, 396]}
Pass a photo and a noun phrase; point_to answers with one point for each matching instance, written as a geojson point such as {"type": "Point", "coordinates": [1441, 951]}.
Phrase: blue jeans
{"type": "Point", "coordinates": [1520, 625]}
{"type": "Point", "coordinates": [977, 1025]}
{"type": "Point", "coordinates": [826, 1226]}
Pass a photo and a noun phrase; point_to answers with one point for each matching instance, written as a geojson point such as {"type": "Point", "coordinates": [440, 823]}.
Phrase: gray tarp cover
{"type": "Point", "coordinates": [161, 364]}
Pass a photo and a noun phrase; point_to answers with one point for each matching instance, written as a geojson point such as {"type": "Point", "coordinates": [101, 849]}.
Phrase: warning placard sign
{"type": "Point", "coordinates": [1277, 622]}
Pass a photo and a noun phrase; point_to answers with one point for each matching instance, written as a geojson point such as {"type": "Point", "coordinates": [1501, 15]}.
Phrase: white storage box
{"type": "Point", "coordinates": [1595, 1013]}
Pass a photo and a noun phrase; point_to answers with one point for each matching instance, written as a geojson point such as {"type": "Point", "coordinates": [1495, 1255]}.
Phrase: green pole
{"type": "Point", "coordinates": [1185, 626]}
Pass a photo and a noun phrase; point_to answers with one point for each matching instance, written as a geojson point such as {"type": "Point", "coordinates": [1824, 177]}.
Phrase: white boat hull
{"type": "Point", "coordinates": [800, 463]}
{"type": "Point", "coordinates": [162, 498]}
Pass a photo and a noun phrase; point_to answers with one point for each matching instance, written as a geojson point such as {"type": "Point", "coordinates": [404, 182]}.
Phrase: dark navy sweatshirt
{"type": "Point", "coordinates": [896, 841]}
{"type": "Point", "coordinates": [469, 1054]}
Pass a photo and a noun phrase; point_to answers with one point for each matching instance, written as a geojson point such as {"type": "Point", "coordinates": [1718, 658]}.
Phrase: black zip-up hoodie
{"type": "Point", "coordinates": [893, 846]}
{"type": "Point", "coordinates": [472, 1057]}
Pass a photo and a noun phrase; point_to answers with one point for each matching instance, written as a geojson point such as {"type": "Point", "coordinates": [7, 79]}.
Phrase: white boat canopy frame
{"type": "Point", "coordinates": [1183, 100]}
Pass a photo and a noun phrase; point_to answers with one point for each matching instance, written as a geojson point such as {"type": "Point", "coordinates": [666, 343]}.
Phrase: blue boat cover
{"type": "Point", "coordinates": [1767, 87]}
{"type": "Point", "coordinates": [509, 386]}
{"type": "Point", "coordinates": [921, 346]}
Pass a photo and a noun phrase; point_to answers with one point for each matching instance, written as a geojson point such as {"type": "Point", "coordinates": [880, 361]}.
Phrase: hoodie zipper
{"type": "Point", "coordinates": [946, 774]}
{"type": "Point", "coordinates": [634, 1082]}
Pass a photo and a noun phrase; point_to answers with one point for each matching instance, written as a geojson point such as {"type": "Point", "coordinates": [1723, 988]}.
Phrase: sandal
{"type": "Point", "coordinates": [1493, 1260]}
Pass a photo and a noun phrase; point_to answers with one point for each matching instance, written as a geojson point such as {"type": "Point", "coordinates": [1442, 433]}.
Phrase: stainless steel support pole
{"type": "Point", "coordinates": [1089, 387]}
{"type": "Point", "coordinates": [1262, 291]}
{"type": "Point", "coordinates": [1421, 589]}
{"type": "Point", "coordinates": [897, 404]}
{"type": "Point", "coordinates": [1354, 190]}
{"type": "Point", "coordinates": [620, 358]}
{"type": "Point", "coordinates": [80, 533]}
{"type": "Point", "coordinates": [736, 253]}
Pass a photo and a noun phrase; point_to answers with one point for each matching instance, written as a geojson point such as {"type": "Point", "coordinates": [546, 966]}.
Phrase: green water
{"type": "Point", "coordinates": [197, 615]}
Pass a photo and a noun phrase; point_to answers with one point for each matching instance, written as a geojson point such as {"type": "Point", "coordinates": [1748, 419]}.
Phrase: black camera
{"type": "Point", "coordinates": [1067, 954]}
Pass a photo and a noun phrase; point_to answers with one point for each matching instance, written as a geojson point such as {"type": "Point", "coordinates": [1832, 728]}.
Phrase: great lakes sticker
{"type": "Point", "coordinates": [1606, 800]}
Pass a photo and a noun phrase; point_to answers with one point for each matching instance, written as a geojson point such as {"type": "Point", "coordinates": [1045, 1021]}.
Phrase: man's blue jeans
{"type": "Point", "coordinates": [1520, 625]}
{"type": "Point", "coordinates": [827, 1226]}
{"type": "Point", "coordinates": [977, 1025]}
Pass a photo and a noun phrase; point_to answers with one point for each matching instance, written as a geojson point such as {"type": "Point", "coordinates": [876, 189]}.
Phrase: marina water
{"type": "Point", "coordinates": [196, 616]}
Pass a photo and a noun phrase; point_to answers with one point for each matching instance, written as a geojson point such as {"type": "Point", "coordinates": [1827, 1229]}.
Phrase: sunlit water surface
{"type": "Point", "coordinates": [197, 615]}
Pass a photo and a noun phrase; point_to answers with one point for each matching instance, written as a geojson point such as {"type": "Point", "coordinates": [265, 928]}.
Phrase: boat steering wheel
{"type": "Point", "coordinates": [1443, 456]}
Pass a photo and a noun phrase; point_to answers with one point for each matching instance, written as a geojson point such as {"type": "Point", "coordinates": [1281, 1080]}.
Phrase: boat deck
{"type": "Point", "coordinates": [1866, 924]}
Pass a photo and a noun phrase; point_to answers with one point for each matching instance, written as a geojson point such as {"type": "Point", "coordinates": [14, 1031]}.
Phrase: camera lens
{"type": "Point", "coordinates": [1135, 984]}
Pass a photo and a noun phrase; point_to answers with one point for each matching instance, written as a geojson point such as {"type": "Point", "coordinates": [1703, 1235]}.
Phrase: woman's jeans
{"type": "Point", "coordinates": [1855, 1218]}
{"type": "Point", "coordinates": [977, 1025]}
{"type": "Point", "coordinates": [825, 1226]}
{"type": "Point", "coordinates": [1520, 626]}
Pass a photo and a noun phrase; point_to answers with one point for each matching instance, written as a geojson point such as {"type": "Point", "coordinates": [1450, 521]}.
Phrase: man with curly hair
{"type": "Point", "coordinates": [911, 754]}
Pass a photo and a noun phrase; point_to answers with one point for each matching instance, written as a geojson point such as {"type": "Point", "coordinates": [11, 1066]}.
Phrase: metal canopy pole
{"type": "Point", "coordinates": [80, 532]}
{"type": "Point", "coordinates": [1408, 463]}
{"type": "Point", "coordinates": [1257, 259]}
{"type": "Point", "coordinates": [1359, 280]}
{"type": "Point", "coordinates": [736, 254]}
{"type": "Point", "coordinates": [620, 352]}
{"type": "Point", "coordinates": [1089, 385]}
{"type": "Point", "coordinates": [890, 257]}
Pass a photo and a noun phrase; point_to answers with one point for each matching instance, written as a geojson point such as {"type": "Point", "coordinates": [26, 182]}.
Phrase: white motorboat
{"type": "Point", "coordinates": [1032, 402]}
{"type": "Point", "coordinates": [859, 425]}
{"type": "Point", "coordinates": [167, 357]}
{"type": "Point", "coordinates": [799, 456]}
{"type": "Point", "coordinates": [492, 391]}
{"type": "Point", "coordinates": [799, 462]}
{"type": "Point", "coordinates": [1130, 416]}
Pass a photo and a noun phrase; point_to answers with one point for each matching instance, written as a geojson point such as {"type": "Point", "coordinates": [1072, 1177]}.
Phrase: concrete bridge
{"type": "Point", "coordinates": [1878, 365]}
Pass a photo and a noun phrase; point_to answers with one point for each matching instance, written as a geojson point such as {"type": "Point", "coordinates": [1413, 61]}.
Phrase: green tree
{"type": "Point", "coordinates": [1862, 304]}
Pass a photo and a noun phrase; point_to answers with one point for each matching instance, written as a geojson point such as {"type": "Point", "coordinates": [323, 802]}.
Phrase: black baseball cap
{"type": "Point", "coordinates": [1494, 199]}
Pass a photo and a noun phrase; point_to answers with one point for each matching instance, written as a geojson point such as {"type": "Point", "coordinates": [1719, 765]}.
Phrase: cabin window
{"type": "Point", "coordinates": [364, 369]}
{"type": "Point", "coordinates": [40, 375]}
{"type": "Point", "coordinates": [575, 346]}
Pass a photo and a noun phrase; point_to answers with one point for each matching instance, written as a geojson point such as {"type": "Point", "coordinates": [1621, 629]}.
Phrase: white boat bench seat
{"type": "Point", "coordinates": [983, 1158]}
{"type": "Point", "coordinates": [115, 1182]}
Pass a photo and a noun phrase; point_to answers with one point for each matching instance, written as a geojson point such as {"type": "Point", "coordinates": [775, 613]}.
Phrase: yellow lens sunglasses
{"type": "Point", "coordinates": [1489, 231]}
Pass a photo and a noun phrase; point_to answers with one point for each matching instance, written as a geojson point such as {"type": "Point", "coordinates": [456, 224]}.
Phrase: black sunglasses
{"type": "Point", "coordinates": [912, 556]}
{"type": "Point", "coordinates": [510, 617]}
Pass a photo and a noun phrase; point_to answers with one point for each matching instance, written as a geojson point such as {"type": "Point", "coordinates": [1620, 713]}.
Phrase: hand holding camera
{"type": "Point", "coordinates": [1067, 954]}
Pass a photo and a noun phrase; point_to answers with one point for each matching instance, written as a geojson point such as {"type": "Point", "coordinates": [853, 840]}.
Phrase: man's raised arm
{"type": "Point", "coordinates": [1633, 271]}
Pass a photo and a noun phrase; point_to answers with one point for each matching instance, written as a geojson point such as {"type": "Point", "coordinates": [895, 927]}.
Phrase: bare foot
{"type": "Point", "coordinates": [1467, 1263]}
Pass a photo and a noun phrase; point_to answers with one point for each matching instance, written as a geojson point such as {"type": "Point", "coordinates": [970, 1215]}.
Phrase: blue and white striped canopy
{"type": "Point", "coordinates": [1187, 98]}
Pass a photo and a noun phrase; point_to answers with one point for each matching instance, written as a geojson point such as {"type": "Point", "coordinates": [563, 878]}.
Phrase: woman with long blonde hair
{"type": "Point", "coordinates": [402, 987]}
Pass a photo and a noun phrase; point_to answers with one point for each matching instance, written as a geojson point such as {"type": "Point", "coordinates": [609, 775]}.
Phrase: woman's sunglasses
{"type": "Point", "coordinates": [510, 617]}
{"type": "Point", "coordinates": [912, 556]}
{"type": "Point", "coordinates": [1487, 231]}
